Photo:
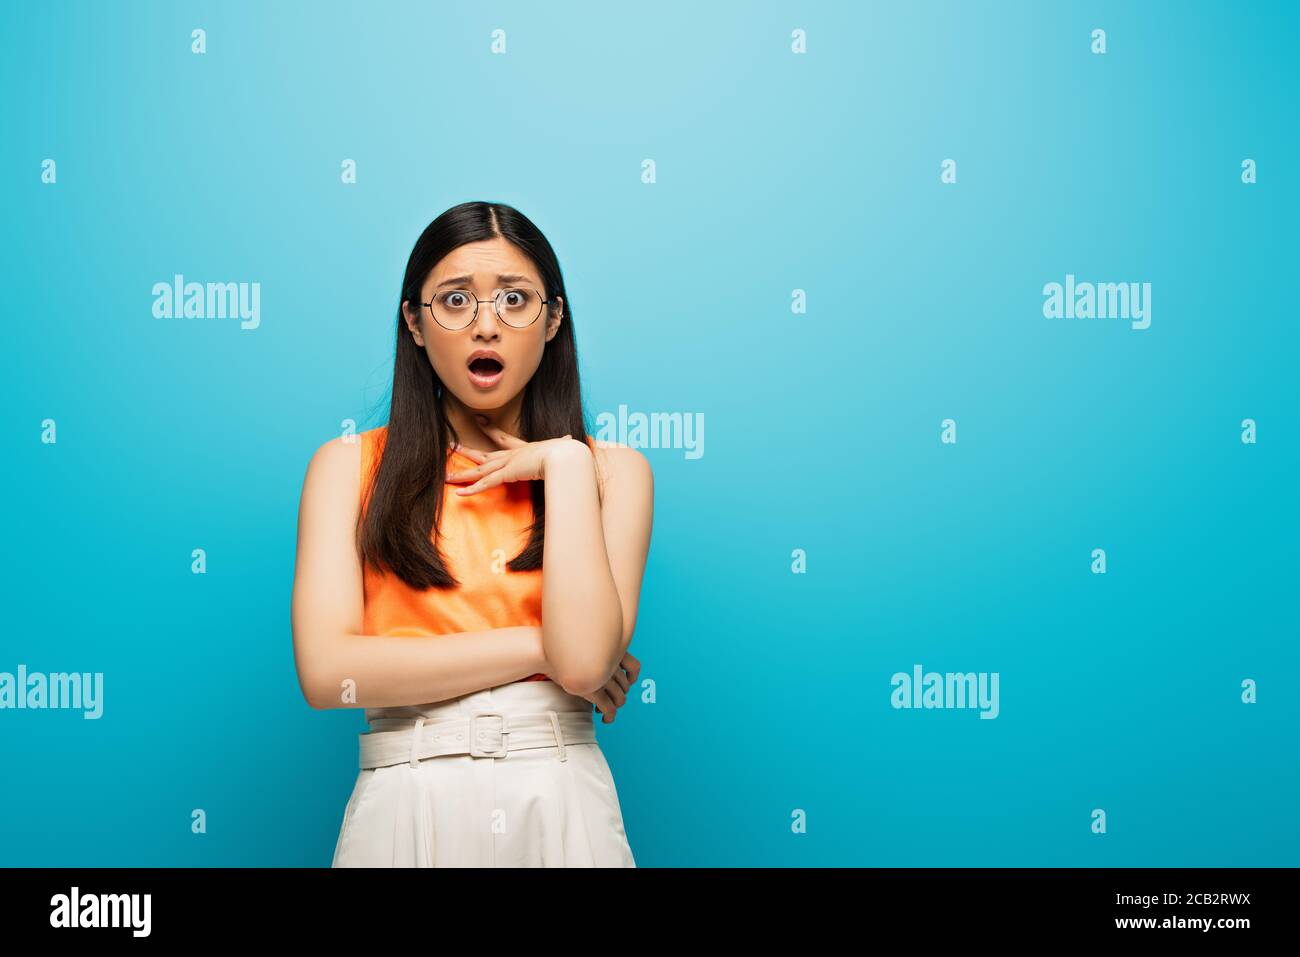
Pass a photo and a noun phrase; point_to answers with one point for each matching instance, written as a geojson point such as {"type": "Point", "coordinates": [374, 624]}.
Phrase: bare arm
{"type": "Point", "coordinates": [327, 608]}
{"type": "Point", "coordinates": [594, 559]}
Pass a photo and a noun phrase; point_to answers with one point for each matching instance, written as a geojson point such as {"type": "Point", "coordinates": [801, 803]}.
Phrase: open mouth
{"type": "Point", "coordinates": [485, 371]}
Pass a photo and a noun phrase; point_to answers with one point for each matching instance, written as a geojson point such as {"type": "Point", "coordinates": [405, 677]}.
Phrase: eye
{"type": "Point", "coordinates": [454, 299]}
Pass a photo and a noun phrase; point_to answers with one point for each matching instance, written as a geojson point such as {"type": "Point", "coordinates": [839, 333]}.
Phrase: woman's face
{"type": "Point", "coordinates": [481, 269]}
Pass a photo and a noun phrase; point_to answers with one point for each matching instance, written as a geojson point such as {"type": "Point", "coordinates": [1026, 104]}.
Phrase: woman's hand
{"type": "Point", "coordinates": [513, 461]}
{"type": "Point", "coordinates": [613, 695]}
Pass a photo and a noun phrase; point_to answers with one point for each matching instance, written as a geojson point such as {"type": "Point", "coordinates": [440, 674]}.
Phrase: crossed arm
{"type": "Point", "coordinates": [594, 556]}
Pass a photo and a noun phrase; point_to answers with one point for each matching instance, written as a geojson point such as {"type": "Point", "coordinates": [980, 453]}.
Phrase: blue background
{"type": "Point", "coordinates": [775, 172]}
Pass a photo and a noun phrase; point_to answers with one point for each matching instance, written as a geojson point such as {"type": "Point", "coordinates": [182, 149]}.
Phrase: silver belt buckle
{"type": "Point", "coordinates": [474, 733]}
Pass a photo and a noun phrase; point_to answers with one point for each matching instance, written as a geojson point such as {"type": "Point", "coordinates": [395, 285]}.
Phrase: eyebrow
{"type": "Point", "coordinates": [503, 277]}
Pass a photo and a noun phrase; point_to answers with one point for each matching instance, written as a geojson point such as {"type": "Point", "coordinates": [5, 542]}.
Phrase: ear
{"type": "Point", "coordinates": [553, 317]}
{"type": "Point", "coordinates": [412, 322]}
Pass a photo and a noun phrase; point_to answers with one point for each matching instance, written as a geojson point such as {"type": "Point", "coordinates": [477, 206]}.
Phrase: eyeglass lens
{"type": "Point", "coordinates": [516, 306]}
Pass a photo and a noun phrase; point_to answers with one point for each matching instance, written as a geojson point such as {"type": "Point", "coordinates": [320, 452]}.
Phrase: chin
{"type": "Point", "coordinates": [482, 401]}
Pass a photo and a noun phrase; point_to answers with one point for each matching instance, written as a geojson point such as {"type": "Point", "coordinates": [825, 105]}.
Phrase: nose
{"type": "Point", "coordinates": [487, 324]}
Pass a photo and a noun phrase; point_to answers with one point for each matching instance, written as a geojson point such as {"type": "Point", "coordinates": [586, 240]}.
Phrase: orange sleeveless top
{"type": "Point", "coordinates": [479, 534]}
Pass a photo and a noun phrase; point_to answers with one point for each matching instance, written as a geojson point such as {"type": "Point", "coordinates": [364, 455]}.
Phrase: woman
{"type": "Point", "coordinates": [418, 592]}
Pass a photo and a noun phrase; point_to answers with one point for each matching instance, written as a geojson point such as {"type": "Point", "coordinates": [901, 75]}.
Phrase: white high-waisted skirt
{"type": "Point", "coordinates": [528, 808]}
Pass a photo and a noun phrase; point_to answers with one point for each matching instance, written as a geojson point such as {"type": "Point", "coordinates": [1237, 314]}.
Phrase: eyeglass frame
{"type": "Point", "coordinates": [493, 300]}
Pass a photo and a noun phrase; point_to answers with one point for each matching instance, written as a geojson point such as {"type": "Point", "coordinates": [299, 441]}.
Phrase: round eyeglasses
{"type": "Point", "coordinates": [516, 306]}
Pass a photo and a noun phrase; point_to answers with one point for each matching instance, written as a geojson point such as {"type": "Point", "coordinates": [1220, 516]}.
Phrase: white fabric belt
{"type": "Point", "coordinates": [484, 734]}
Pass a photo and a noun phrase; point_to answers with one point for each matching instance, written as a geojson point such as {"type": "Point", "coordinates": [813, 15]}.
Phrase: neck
{"type": "Point", "coordinates": [462, 419]}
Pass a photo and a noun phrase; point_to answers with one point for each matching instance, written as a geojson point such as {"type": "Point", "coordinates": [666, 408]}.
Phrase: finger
{"type": "Point", "coordinates": [504, 438]}
{"type": "Point", "coordinates": [477, 472]}
{"type": "Point", "coordinates": [633, 666]}
{"type": "Point", "coordinates": [474, 454]}
{"type": "Point", "coordinates": [500, 436]}
{"type": "Point", "coordinates": [616, 693]}
{"type": "Point", "coordinates": [606, 706]}
{"type": "Point", "coordinates": [490, 482]}
{"type": "Point", "coordinates": [490, 454]}
{"type": "Point", "coordinates": [620, 676]}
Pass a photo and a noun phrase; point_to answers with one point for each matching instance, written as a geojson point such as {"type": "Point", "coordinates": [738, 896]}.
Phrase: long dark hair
{"type": "Point", "coordinates": [398, 531]}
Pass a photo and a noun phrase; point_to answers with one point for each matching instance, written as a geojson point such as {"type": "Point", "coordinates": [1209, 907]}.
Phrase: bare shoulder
{"type": "Point", "coordinates": [622, 457]}
{"type": "Point", "coordinates": [337, 453]}
{"type": "Point", "coordinates": [334, 470]}
{"type": "Point", "coordinates": [624, 469]}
